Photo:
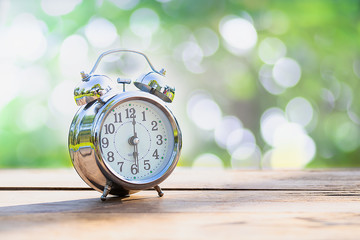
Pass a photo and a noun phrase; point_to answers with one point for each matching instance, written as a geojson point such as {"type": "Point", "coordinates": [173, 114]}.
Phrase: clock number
{"type": "Point", "coordinates": [109, 128]}
{"type": "Point", "coordinates": [144, 119]}
{"type": "Point", "coordinates": [117, 117]}
{"type": "Point", "coordinates": [155, 154]}
{"type": "Point", "coordinates": [154, 124]}
{"type": "Point", "coordinates": [104, 142]}
{"type": "Point", "coordinates": [110, 156]}
{"type": "Point", "coordinates": [159, 140]}
{"type": "Point", "coordinates": [130, 113]}
{"type": "Point", "coordinates": [121, 165]}
{"type": "Point", "coordinates": [147, 165]}
{"type": "Point", "coordinates": [134, 169]}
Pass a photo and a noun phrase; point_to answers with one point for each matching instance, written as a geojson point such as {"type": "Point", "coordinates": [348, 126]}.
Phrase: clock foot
{"type": "Point", "coordinates": [159, 191]}
{"type": "Point", "coordinates": [107, 189]}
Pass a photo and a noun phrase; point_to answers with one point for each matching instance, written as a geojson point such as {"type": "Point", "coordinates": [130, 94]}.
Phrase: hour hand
{"type": "Point", "coordinates": [136, 155]}
{"type": "Point", "coordinates": [134, 140]}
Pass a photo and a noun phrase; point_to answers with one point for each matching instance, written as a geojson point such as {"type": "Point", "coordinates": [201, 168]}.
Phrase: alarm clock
{"type": "Point", "coordinates": [121, 142]}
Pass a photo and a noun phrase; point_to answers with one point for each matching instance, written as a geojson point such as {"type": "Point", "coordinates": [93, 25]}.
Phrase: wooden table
{"type": "Point", "coordinates": [198, 204]}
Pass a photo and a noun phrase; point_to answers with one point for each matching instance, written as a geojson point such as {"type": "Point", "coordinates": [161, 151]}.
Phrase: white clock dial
{"type": "Point", "coordinates": [136, 141]}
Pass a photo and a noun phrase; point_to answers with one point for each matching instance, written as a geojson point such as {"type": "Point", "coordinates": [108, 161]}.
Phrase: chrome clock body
{"type": "Point", "coordinates": [86, 146]}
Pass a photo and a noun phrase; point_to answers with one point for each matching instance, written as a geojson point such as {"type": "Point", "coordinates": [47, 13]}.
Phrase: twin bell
{"type": "Point", "coordinates": [93, 87]}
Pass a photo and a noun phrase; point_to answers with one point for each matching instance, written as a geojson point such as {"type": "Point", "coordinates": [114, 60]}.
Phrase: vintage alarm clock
{"type": "Point", "coordinates": [123, 142]}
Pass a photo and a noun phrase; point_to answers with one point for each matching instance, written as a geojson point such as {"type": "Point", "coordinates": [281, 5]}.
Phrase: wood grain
{"type": "Point", "coordinates": [241, 205]}
{"type": "Point", "coordinates": [184, 178]}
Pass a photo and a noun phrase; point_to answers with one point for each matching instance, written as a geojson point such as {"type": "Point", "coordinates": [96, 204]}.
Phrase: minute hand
{"type": "Point", "coordinates": [134, 123]}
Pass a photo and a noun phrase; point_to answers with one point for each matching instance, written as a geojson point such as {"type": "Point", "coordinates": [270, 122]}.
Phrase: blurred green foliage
{"type": "Point", "coordinates": [321, 36]}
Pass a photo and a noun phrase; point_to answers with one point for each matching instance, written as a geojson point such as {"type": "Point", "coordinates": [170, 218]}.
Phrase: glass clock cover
{"type": "Point", "coordinates": [136, 141]}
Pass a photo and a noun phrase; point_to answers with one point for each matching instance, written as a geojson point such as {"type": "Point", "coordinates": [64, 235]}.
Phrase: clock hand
{"type": "Point", "coordinates": [134, 141]}
{"type": "Point", "coordinates": [136, 153]}
{"type": "Point", "coordinates": [133, 123]}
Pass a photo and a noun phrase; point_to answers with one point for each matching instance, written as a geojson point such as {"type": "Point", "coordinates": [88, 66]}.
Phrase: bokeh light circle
{"type": "Point", "coordinates": [33, 116]}
{"type": "Point", "coordinates": [208, 41]}
{"type": "Point", "coordinates": [208, 160]}
{"type": "Point", "coordinates": [57, 8]}
{"type": "Point", "coordinates": [9, 72]}
{"type": "Point", "coordinates": [125, 4]}
{"type": "Point", "coordinates": [224, 129]}
{"type": "Point", "coordinates": [239, 34]}
{"type": "Point", "coordinates": [100, 32]}
{"type": "Point", "coordinates": [144, 22]}
{"type": "Point", "coordinates": [286, 72]}
{"type": "Point", "coordinates": [293, 147]}
{"type": "Point", "coordinates": [271, 49]}
{"type": "Point", "coordinates": [238, 138]}
{"type": "Point", "coordinates": [267, 80]}
{"type": "Point", "coordinates": [26, 37]}
{"type": "Point", "coordinates": [347, 136]}
{"type": "Point", "coordinates": [204, 111]}
{"type": "Point", "coordinates": [299, 110]}
{"type": "Point", "coordinates": [271, 120]}
{"type": "Point", "coordinates": [38, 86]}
{"type": "Point", "coordinates": [246, 156]}
{"type": "Point", "coordinates": [61, 102]}
{"type": "Point", "coordinates": [73, 55]}
{"type": "Point", "coordinates": [192, 57]}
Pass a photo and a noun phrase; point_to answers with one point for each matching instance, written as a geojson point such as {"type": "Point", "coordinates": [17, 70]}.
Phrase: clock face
{"type": "Point", "coordinates": [136, 141]}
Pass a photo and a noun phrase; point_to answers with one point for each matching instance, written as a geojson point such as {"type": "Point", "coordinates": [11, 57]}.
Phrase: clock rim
{"type": "Point", "coordinates": [111, 173]}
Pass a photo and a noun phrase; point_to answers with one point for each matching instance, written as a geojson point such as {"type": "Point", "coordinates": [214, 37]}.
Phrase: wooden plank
{"type": "Point", "coordinates": [275, 205]}
{"type": "Point", "coordinates": [40, 178]}
{"type": "Point", "coordinates": [184, 178]}
{"type": "Point", "coordinates": [181, 215]}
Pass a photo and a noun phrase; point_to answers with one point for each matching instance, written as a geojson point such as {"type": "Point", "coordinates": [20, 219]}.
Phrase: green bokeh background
{"type": "Point", "coordinates": [321, 36]}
